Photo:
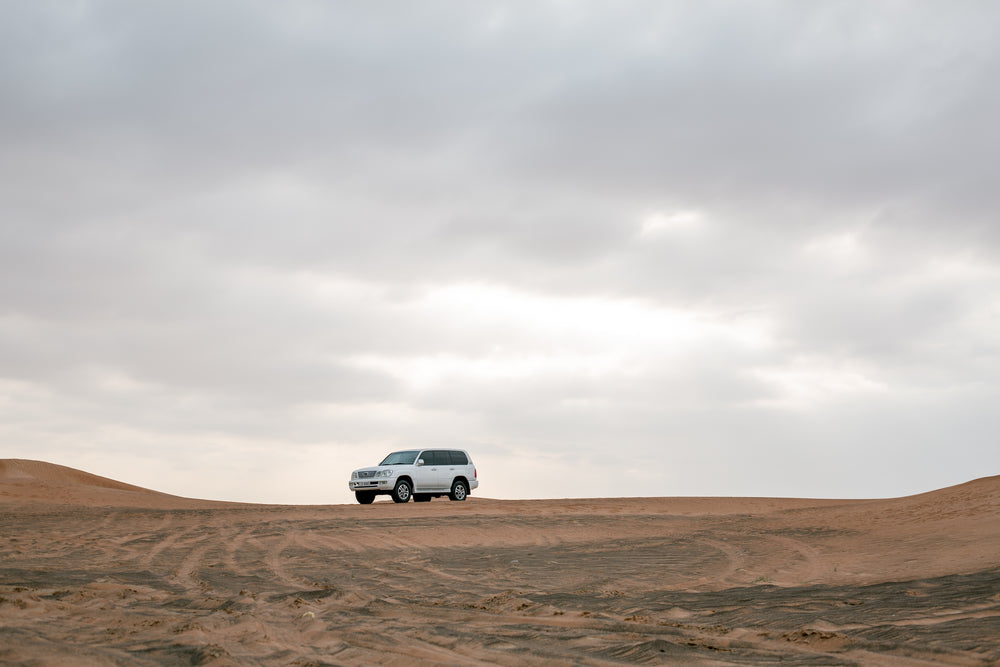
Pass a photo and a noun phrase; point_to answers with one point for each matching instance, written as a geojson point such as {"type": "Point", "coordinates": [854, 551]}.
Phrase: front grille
{"type": "Point", "coordinates": [365, 474]}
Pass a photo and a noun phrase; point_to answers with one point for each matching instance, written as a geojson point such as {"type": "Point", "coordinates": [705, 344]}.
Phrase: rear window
{"type": "Point", "coordinates": [458, 458]}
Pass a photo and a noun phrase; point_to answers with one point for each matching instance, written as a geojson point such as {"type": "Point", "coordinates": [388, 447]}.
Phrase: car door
{"type": "Point", "coordinates": [426, 476]}
{"type": "Point", "coordinates": [436, 464]}
{"type": "Point", "coordinates": [457, 467]}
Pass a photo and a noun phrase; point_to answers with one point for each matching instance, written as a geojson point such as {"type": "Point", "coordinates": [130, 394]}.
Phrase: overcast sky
{"type": "Point", "coordinates": [611, 249]}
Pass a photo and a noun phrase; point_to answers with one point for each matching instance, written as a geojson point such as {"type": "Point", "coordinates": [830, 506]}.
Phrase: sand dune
{"type": "Point", "coordinates": [102, 572]}
{"type": "Point", "coordinates": [25, 481]}
{"type": "Point", "coordinates": [40, 471]}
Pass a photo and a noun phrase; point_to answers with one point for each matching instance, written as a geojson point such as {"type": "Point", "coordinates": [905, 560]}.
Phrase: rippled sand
{"type": "Point", "coordinates": [94, 571]}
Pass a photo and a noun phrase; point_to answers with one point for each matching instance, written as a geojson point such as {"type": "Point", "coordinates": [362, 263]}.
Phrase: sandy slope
{"type": "Point", "coordinates": [108, 573]}
{"type": "Point", "coordinates": [28, 482]}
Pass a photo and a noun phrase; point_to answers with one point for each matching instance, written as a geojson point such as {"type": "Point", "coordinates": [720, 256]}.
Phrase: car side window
{"type": "Point", "coordinates": [458, 458]}
{"type": "Point", "coordinates": [433, 458]}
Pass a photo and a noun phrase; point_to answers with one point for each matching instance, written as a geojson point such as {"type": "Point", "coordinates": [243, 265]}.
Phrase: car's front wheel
{"type": "Point", "coordinates": [459, 491]}
{"type": "Point", "coordinates": [365, 497]}
{"type": "Point", "coordinates": [402, 492]}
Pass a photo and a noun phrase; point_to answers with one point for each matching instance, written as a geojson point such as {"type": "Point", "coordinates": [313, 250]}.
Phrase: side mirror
{"type": "Point", "coordinates": [420, 462]}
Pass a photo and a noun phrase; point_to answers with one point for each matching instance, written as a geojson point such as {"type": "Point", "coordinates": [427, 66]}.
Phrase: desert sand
{"type": "Point", "coordinates": [95, 571]}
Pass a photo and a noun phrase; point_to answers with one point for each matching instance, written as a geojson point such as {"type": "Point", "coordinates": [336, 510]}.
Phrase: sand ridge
{"type": "Point", "coordinates": [579, 581]}
{"type": "Point", "coordinates": [40, 471]}
{"type": "Point", "coordinates": [25, 481]}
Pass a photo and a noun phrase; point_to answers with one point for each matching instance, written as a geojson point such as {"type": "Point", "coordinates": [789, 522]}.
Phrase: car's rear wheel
{"type": "Point", "coordinates": [402, 492]}
{"type": "Point", "coordinates": [459, 491]}
{"type": "Point", "coordinates": [365, 497]}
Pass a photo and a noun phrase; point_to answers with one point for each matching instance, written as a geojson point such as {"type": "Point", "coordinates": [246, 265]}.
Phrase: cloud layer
{"type": "Point", "coordinates": [642, 249]}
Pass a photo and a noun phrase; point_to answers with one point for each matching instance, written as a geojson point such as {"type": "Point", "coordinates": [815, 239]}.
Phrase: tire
{"type": "Point", "coordinates": [421, 497]}
{"type": "Point", "coordinates": [365, 497]}
{"type": "Point", "coordinates": [459, 490]}
{"type": "Point", "coordinates": [402, 492]}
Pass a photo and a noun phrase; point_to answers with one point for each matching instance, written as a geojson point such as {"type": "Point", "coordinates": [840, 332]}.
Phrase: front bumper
{"type": "Point", "coordinates": [370, 484]}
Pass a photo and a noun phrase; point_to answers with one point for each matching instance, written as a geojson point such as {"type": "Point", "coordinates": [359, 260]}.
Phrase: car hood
{"type": "Point", "coordinates": [375, 468]}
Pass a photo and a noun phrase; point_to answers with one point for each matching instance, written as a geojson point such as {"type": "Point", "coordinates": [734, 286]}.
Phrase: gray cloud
{"type": "Point", "coordinates": [755, 244]}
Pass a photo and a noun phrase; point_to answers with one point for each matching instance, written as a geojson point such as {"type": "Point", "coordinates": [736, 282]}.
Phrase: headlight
{"type": "Point", "coordinates": [354, 475]}
{"type": "Point", "coordinates": [384, 473]}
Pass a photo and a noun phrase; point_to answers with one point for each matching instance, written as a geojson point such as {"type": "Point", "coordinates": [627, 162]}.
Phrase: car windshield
{"type": "Point", "coordinates": [401, 458]}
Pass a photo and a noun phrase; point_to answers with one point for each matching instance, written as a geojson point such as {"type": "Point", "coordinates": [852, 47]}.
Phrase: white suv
{"type": "Point", "coordinates": [421, 473]}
